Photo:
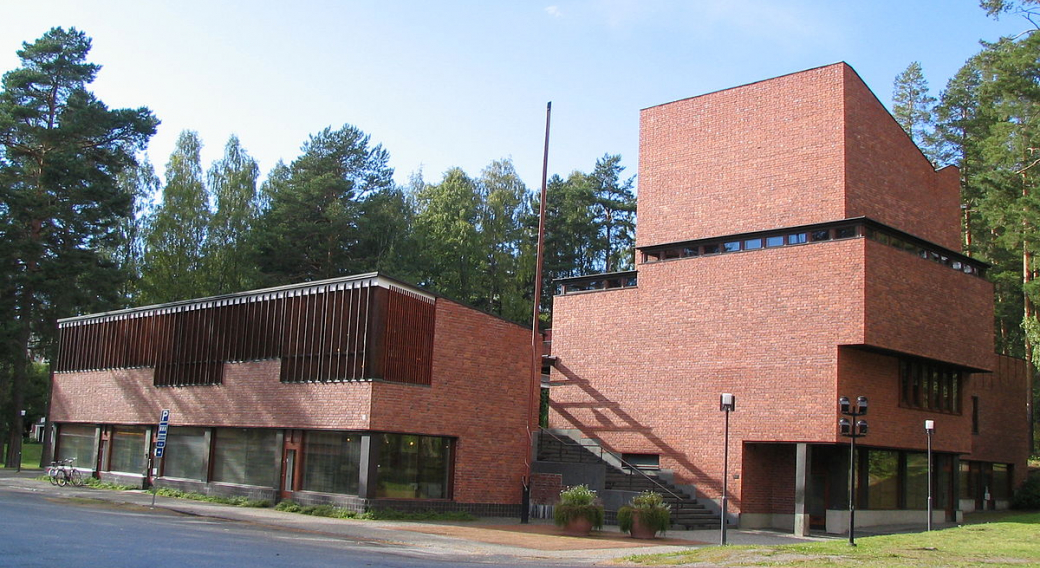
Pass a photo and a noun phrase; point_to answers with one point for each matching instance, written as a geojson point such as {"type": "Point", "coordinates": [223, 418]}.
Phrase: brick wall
{"type": "Point", "coordinates": [1003, 415]}
{"type": "Point", "coordinates": [251, 397]}
{"type": "Point", "coordinates": [889, 179]}
{"type": "Point", "coordinates": [750, 158]}
{"type": "Point", "coordinates": [481, 379]}
{"type": "Point", "coordinates": [646, 365]}
{"type": "Point", "coordinates": [743, 159]}
{"type": "Point", "coordinates": [768, 480]}
{"type": "Point", "coordinates": [923, 308]}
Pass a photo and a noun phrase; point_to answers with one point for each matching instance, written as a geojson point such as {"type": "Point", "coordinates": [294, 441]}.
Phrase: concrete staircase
{"type": "Point", "coordinates": [687, 512]}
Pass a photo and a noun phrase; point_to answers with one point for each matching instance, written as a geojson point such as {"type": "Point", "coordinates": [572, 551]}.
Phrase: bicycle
{"type": "Point", "coordinates": [62, 473]}
{"type": "Point", "coordinates": [55, 474]}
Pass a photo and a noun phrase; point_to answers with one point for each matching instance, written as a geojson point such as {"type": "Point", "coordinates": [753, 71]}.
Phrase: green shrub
{"type": "Point", "coordinates": [576, 503]}
{"type": "Point", "coordinates": [427, 515]}
{"type": "Point", "coordinates": [1028, 495]}
{"type": "Point", "coordinates": [651, 509]}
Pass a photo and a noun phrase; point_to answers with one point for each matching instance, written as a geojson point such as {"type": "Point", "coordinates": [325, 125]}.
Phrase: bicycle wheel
{"type": "Point", "coordinates": [76, 478]}
{"type": "Point", "coordinates": [63, 478]}
{"type": "Point", "coordinates": [52, 475]}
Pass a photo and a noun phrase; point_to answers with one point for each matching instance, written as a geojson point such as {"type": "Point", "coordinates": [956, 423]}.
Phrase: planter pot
{"type": "Point", "coordinates": [578, 526]}
{"type": "Point", "coordinates": [640, 530]}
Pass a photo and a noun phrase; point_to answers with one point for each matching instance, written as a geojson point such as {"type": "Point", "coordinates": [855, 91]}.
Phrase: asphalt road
{"type": "Point", "coordinates": [37, 531]}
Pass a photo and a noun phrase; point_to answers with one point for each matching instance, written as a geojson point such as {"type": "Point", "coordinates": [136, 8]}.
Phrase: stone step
{"type": "Point", "coordinates": [687, 513]}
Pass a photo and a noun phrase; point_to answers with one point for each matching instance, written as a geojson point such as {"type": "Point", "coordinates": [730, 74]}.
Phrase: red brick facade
{"type": "Point", "coordinates": [787, 329]}
{"type": "Point", "coordinates": [481, 373]}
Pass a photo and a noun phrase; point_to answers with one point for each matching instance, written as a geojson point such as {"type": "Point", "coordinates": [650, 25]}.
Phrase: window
{"type": "Point", "coordinates": [332, 462]}
{"type": "Point", "coordinates": [882, 480]}
{"type": "Point", "coordinates": [76, 441]}
{"type": "Point", "coordinates": [129, 454]}
{"type": "Point", "coordinates": [796, 238]}
{"type": "Point", "coordinates": [413, 467]}
{"type": "Point", "coordinates": [777, 241]}
{"type": "Point", "coordinates": [643, 461]}
{"type": "Point", "coordinates": [974, 415]}
{"type": "Point", "coordinates": [930, 386]}
{"type": "Point", "coordinates": [731, 246]}
{"type": "Point", "coordinates": [821, 235]}
{"type": "Point", "coordinates": [185, 453]}
{"type": "Point", "coordinates": [752, 244]}
{"type": "Point", "coordinates": [711, 249]}
{"type": "Point", "coordinates": [690, 251]}
{"type": "Point", "coordinates": [1001, 487]}
{"type": "Point", "coordinates": [245, 456]}
{"type": "Point", "coordinates": [916, 481]}
{"type": "Point", "coordinates": [844, 232]}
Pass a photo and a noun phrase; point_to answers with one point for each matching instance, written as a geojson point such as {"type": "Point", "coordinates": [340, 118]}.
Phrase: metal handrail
{"type": "Point", "coordinates": [678, 500]}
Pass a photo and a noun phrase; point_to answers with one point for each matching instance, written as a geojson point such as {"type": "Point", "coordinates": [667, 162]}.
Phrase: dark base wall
{"type": "Point", "coordinates": [350, 502]}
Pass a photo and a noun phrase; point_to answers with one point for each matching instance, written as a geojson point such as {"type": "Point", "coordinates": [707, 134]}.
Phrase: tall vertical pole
{"type": "Point", "coordinates": [929, 428]}
{"type": "Point", "coordinates": [852, 487]}
{"type": "Point", "coordinates": [536, 336]}
{"type": "Point", "coordinates": [725, 477]}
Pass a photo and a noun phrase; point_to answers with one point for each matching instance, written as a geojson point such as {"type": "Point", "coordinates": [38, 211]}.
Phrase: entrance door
{"type": "Point", "coordinates": [291, 463]}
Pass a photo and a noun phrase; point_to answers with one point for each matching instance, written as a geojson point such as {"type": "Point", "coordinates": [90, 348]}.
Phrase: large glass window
{"type": "Point", "coordinates": [332, 462]}
{"type": "Point", "coordinates": [76, 441]}
{"type": "Point", "coordinates": [882, 480]}
{"type": "Point", "coordinates": [129, 454]}
{"type": "Point", "coordinates": [185, 453]}
{"type": "Point", "coordinates": [414, 467]}
{"type": "Point", "coordinates": [245, 456]}
{"type": "Point", "coordinates": [916, 481]}
{"type": "Point", "coordinates": [1001, 488]}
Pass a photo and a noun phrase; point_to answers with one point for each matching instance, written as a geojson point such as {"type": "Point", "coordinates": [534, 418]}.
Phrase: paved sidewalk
{"type": "Point", "coordinates": [483, 539]}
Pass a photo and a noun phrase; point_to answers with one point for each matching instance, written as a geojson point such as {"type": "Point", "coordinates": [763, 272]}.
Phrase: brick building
{"type": "Point", "coordinates": [794, 246]}
{"type": "Point", "coordinates": [362, 392]}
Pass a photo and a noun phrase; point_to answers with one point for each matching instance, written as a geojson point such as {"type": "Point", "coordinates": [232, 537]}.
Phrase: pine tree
{"type": "Point", "coordinates": [174, 259]}
{"type": "Point", "coordinates": [615, 213]}
{"type": "Point", "coordinates": [310, 225]}
{"type": "Point", "coordinates": [61, 150]}
{"type": "Point", "coordinates": [912, 108]}
{"type": "Point", "coordinates": [232, 182]}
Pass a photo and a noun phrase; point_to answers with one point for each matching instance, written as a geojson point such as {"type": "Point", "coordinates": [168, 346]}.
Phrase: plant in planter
{"type": "Point", "coordinates": [645, 516]}
{"type": "Point", "coordinates": [578, 512]}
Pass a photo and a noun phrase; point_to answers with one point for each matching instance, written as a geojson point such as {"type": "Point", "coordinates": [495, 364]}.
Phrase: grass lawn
{"type": "Point", "coordinates": [30, 455]}
{"type": "Point", "coordinates": [1013, 540]}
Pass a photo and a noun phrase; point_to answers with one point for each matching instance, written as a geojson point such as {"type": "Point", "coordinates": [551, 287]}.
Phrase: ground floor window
{"type": "Point", "coordinates": [332, 462]}
{"type": "Point", "coordinates": [882, 480]}
{"type": "Point", "coordinates": [890, 479]}
{"type": "Point", "coordinates": [413, 467]}
{"type": "Point", "coordinates": [982, 481]}
{"type": "Point", "coordinates": [129, 453]}
{"type": "Point", "coordinates": [76, 441]}
{"type": "Point", "coordinates": [185, 453]}
{"type": "Point", "coordinates": [246, 456]}
{"type": "Point", "coordinates": [917, 481]}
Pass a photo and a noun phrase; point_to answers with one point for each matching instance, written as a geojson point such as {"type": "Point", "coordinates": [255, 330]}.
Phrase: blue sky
{"type": "Point", "coordinates": [463, 83]}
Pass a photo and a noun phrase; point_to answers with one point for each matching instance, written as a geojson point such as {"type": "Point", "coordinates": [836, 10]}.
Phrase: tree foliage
{"type": "Point", "coordinates": [912, 108]}
{"type": "Point", "coordinates": [176, 234]}
{"type": "Point", "coordinates": [310, 228]}
{"type": "Point", "coordinates": [232, 184]}
{"type": "Point", "coordinates": [61, 152]}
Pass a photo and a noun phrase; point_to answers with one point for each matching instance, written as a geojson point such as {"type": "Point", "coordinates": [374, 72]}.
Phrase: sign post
{"type": "Point", "coordinates": [160, 447]}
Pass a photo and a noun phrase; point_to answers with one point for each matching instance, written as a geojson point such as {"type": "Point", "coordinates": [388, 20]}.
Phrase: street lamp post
{"type": "Point", "coordinates": [929, 429]}
{"type": "Point", "coordinates": [727, 404]}
{"type": "Point", "coordinates": [852, 429]}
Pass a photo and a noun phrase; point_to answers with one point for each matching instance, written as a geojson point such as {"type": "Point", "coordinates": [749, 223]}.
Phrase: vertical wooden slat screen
{"type": "Point", "coordinates": [408, 337]}
{"type": "Point", "coordinates": [322, 332]}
